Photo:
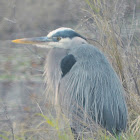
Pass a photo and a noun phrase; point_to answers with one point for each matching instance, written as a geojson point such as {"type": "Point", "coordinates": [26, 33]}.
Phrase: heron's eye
{"type": "Point", "coordinates": [58, 38]}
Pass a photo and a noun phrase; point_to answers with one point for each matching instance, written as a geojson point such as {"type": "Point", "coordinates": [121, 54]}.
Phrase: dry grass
{"type": "Point", "coordinates": [106, 20]}
{"type": "Point", "coordinates": [111, 32]}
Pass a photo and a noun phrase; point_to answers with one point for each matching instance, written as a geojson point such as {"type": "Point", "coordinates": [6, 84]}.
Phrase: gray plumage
{"type": "Point", "coordinates": [92, 84]}
{"type": "Point", "coordinates": [82, 81]}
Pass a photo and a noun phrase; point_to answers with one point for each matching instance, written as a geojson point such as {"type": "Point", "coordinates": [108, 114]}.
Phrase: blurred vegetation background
{"type": "Point", "coordinates": [113, 26]}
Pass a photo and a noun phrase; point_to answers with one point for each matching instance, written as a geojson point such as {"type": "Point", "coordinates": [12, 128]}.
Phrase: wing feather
{"type": "Point", "coordinates": [93, 86]}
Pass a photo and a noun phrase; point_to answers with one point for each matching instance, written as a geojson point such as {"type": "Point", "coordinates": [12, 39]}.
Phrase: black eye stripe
{"type": "Point", "coordinates": [67, 34]}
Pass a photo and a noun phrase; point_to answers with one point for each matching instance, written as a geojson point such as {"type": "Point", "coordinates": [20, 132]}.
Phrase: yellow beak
{"type": "Point", "coordinates": [23, 41]}
{"type": "Point", "coordinates": [35, 40]}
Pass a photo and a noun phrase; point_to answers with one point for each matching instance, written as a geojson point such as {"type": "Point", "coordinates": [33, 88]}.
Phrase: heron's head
{"type": "Point", "coordinates": [59, 38]}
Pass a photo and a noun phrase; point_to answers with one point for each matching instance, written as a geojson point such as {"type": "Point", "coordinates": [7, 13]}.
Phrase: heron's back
{"type": "Point", "coordinates": [92, 84]}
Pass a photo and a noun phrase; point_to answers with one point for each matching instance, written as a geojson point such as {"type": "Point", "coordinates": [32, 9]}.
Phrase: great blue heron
{"type": "Point", "coordinates": [80, 75]}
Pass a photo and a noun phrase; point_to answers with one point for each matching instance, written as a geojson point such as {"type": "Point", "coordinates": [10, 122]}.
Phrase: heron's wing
{"type": "Point", "coordinates": [93, 85]}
